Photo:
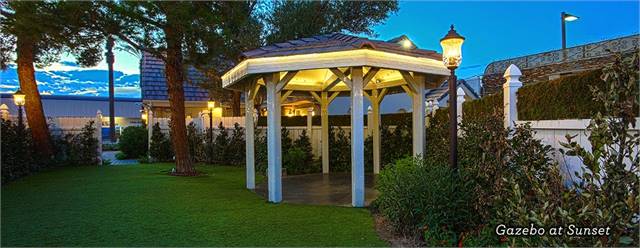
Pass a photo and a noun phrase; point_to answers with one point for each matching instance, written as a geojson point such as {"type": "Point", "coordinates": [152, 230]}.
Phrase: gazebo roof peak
{"type": "Point", "coordinates": [334, 42]}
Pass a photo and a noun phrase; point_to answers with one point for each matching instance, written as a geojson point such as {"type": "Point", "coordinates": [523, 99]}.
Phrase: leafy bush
{"type": "Point", "coordinates": [195, 142]}
{"type": "Point", "coordinates": [133, 142]}
{"type": "Point", "coordinates": [339, 150]}
{"type": "Point", "coordinates": [121, 156]}
{"type": "Point", "coordinates": [237, 144]}
{"type": "Point", "coordinates": [298, 159]}
{"type": "Point", "coordinates": [487, 105]}
{"type": "Point", "coordinates": [77, 149]}
{"type": "Point", "coordinates": [261, 152]}
{"type": "Point", "coordinates": [416, 195]}
{"type": "Point", "coordinates": [220, 146]}
{"type": "Point", "coordinates": [17, 150]}
{"type": "Point", "coordinates": [161, 148]}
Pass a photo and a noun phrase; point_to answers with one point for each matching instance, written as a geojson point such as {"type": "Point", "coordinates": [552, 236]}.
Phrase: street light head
{"type": "Point", "coordinates": [211, 104]}
{"type": "Point", "coordinates": [19, 98]}
{"type": "Point", "coordinates": [569, 17]}
{"type": "Point", "coordinates": [452, 48]}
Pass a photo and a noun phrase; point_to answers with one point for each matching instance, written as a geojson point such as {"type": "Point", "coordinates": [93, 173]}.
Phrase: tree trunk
{"type": "Point", "coordinates": [33, 106]}
{"type": "Point", "coordinates": [235, 105]}
{"type": "Point", "coordinates": [175, 80]}
{"type": "Point", "coordinates": [112, 114]}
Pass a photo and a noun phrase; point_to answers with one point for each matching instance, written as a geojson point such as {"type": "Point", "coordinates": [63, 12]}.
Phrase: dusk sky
{"type": "Point", "coordinates": [493, 31]}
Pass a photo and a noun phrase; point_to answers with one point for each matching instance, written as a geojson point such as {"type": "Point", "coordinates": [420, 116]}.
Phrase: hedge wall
{"type": "Point", "coordinates": [568, 97]}
{"type": "Point", "coordinates": [564, 98]}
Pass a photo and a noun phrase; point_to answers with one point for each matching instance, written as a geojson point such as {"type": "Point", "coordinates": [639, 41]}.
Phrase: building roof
{"type": "Point", "coordinates": [439, 93]}
{"type": "Point", "coordinates": [335, 42]}
{"type": "Point", "coordinates": [153, 83]}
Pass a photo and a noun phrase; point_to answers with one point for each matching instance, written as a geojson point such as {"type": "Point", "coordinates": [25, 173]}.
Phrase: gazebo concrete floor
{"type": "Point", "coordinates": [320, 189]}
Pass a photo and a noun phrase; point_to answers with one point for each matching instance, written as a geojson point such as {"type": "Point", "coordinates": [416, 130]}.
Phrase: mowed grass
{"type": "Point", "coordinates": [142, 206]}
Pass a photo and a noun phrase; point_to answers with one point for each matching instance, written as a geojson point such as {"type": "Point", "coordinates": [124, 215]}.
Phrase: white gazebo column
{"type": "Point", "coordinates": [324, 115]}
{"type": "Point", "coordinates": [510, 88]}
{"type": "Point", "coordinates": [376, 99]}
{"type": "Point", "coordinates": [418, 127]}
{"type": "Point", "coordinates": [249, 138]}
{"type": "Point", "coordinates": [274, 149]}
{"type": "Point", "coordinates": [357, 138]}
{"type": "Point", "coordinates": [310, 122]}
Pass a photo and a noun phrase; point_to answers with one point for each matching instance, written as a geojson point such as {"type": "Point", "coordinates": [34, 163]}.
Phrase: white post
{"type": "Point", "coordinates": [375, 129]}
{"type": "Point", "coordinates": [370, 119]}
{"type": "Point", "coordinates": [98, 124]}
{"type": "Point", "coordinates": [274, 157]}
{"type": "Point", "coordinates": [418, 116]}
{"type": "Point", "coordinates": [149, 130]}
{"type": "Point", "coordinates": [357, 138]}
{"type": "Point", "coordinates": [310, 122]}
{"type": "Point", "coordinates": [459, 101]}
{"type": "Point", "coordinates": [324, 112]}
{"type": "Point", "coordinates": [249, 139]}
{"type": "Point", "coordinates": [510, 88]}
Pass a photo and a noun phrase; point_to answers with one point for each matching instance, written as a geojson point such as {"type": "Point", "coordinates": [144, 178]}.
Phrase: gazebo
{"type": "Point", "coordinates": [325, 67]}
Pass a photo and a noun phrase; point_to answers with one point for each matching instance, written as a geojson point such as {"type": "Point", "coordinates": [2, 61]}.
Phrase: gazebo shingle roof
{"type": "Point", "coordinates": [335, 42]}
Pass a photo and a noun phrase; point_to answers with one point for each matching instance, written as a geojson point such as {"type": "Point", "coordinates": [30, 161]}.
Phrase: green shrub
{"type": "Point", "coordinates": [17, 151]}
{"type": "Point", "coordinates": [237, 145]}
{"type": "Point", "coordinates": [133, 142]}
{"type": "Point", "coordinates": [261, 153]}
{"type": "Point", "coordinates": [298, 159]}
{"type": "Point", "coordinates": [161, 148]}
{"type": "Point", "coordinates": [121, 156]}
{"type": "Point", "coordinates": [209, 146]}
{"type": "Point", "coordinates": [78, 149]}
{"type": "Point", "coordinates": [220, 146]}
{"type": "Point", "coordinates": [195, 142]}
{"type": "Point", "coordinates": [416, 195]}
{"type": "Point", "coordinates": [486, 105]}
{"type": "Point", "coordinates": [339, 150]}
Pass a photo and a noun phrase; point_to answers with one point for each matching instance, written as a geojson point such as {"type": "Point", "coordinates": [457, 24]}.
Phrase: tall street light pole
{"type": "Point", "coordinates": [452, 56]}
{"type": "Point", "coordinates": [112, 109]}
{"type": "Point", "coordinates": [211, 105]}
{"type": "Point", "coordinates": [564, 18]}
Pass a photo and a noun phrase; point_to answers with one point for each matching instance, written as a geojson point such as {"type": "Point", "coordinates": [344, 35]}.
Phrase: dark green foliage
{"type": "Point", "coordinates": [298, 159]}
{"type": "Point", "coordinates": [483, 106]}
{"type": "Point", "coordinates": [121, 156]}
{"type": "Point", "coordinates": [395, 142]}
{"type": "Point", "coordinates": [564, 98]}
{"type": "Point", "coordinates": [417, 195]}
{"type": "Point", "coordinates": [237, 145]}
{"type": "Point", "coordinates": [285, 140]}
{"type": "Point", "coordinates": [339, 150]}
{"type": "Point", "coordinates": [209, 146]}
{"type": "Point", "coordinates": [161, 148]}
{"type": "Point", "coordinates": [196, 142]}
{"type": "Point", "coordinates": [437, 134]}
{"type": "Point", "coordinates": [261, 153]}
{"type": "Point", "coordinates": [133, 141]}
{"type": "Point", "coordinates": [78, 149]}
{"type": "Point", "coordinates": [220, 146]}
{"type": "Point", "coordinates": [17, 150]}
{"type": "Point", "coordinates": [291, 19]}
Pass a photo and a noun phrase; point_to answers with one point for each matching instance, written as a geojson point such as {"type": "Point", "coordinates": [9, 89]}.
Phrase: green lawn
{"type": "Point", "coordinates": [142, 206]}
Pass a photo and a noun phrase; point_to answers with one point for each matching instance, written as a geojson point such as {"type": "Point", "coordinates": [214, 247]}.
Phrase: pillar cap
{"type": "Point", "coordinates": [460, 92]}
{"type": "Point", "coordinates": [512, 71]}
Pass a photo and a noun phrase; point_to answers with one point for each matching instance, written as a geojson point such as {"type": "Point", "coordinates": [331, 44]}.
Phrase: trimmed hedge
{"type": "Point", "coordinates": [568, 97]}
{"type": "Point", "coordinates": [564, 98]}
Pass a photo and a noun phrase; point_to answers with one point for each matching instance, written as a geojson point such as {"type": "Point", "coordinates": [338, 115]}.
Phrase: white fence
{"type": "Point", "coordinates": [550, 132]}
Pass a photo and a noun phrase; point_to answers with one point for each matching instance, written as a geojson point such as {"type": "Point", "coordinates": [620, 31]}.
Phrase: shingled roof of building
{"type": "Point", "coordinates": [335, 42]}
{"type": "Point", "coordinates": [153, 82]}
{"type": "Point", "coordinates": [443, 90]}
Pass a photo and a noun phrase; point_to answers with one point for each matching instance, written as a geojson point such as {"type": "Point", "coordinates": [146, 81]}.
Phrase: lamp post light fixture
{"type": "Point", "coordinates": [19, 100]}
{"type": "Point", "coordinates": [564, 18]}
{"type": "Point", "coordinates": [143, 115]}
{"type": "Point", "coordinates": [211, 105]}
{"type": "Point", "coordinates": [452, 56]}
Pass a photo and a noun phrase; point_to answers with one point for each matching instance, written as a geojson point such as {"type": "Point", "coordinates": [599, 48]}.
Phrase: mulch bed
{"type": "Point", "coordinates": [386, 233]}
